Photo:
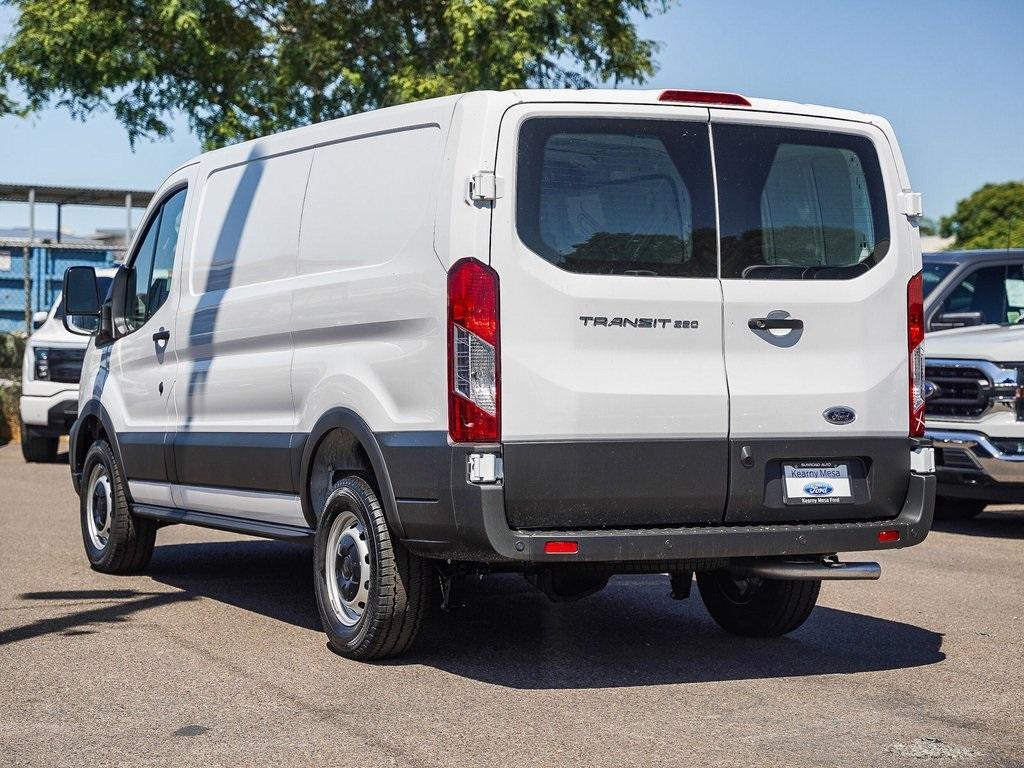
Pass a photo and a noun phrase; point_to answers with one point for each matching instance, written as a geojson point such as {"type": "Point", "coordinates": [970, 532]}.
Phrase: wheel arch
{"type": "Point", "coordinates": [93, 422]}
{"type": "Point", "coordinates": [360, 452]}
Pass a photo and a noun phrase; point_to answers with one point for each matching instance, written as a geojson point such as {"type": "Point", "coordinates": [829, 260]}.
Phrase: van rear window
{"type": "Point", "coordinates": [617, 196]}
{"type": "Point", "coordinates": [798, 204]}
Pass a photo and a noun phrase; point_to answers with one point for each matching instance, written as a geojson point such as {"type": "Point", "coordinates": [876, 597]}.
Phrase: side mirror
{"type": "Point", "coordinates": [957, 320]}
{"type": "Point", "coordinates": [81, 301]}
{"type": "Point", "coordinates": [38, 318]}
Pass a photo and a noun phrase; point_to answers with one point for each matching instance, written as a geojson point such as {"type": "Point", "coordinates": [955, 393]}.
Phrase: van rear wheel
{"type": "Point", "coordinates": [371, 592]}
{"type": "Point", "coordinates": [757, 607]}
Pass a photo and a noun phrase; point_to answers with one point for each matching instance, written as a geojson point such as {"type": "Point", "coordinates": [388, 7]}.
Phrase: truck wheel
{"type": "Point", "coordinates": [370, 591]}
{"type": "Point", "coordinates": [35, 448]}
{"type": "Point", "coordinates": [952, 508]}
{"type": "Point", "coordinates": [116, 541]}
{"type": "Point", "coordinates": [757, 607]}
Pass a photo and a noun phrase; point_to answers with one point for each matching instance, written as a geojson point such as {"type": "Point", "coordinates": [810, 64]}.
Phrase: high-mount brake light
{"type": "Point", "coordinates": [915, 348]}
{"type": "Point", "coordinates": [474, 376]}
{"type": "Point", "coordinates": [704, 97]}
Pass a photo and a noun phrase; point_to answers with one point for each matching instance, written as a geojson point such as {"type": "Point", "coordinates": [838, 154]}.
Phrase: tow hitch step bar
{"type": "Point", "coordinates": [804, 569]}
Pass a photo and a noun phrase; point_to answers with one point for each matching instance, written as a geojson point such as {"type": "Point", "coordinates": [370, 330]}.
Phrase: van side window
{"type": "Point", "coordinates": [996, 293]}
{"type": "Point", "coordinates": [149, 281]}
{"type": "Point", "coordinates": [617, 196]}
{"type": "Point", "coordinates": [798, 204]}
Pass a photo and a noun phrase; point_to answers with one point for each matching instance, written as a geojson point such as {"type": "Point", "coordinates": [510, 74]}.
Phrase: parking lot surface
{"type": "Point", "coordinates": [215, 657]}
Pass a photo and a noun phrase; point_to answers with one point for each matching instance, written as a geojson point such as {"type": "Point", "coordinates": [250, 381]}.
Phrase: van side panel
{"type": "Point", "coordinates": [369, 301]}
{"type": "Point", "coordinates": [232, 336]}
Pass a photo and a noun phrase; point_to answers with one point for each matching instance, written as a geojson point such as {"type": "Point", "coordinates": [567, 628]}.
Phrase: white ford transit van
{"type": "Point", "coordinates": [568, 333]}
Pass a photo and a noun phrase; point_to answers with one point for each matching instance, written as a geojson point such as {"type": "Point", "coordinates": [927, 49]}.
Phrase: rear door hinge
{"type": "Point", "coordinates": [486, 185]}
{"type": "Point", "coordinates": [910, 204]}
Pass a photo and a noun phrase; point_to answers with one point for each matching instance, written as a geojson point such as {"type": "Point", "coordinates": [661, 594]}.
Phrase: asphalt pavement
{"type": "Point", "coordinates": [214, 657]}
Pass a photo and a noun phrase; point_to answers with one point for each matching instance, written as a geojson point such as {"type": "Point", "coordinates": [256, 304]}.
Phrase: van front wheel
{"type": "Point", "coordinates": [757, 607]}
{"type": "Point", "coordinates": [116, 541]}
{"type": "Point", "coordinates": [370, 591]}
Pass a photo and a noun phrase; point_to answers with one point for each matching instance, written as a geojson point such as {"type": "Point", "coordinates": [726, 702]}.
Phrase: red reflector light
{"type": "Point", "coordinates": [704, 97]}
{"type": "Point", "coordinates": [884, 537]}
{"type": "Point", "coordinates": [561, 547]}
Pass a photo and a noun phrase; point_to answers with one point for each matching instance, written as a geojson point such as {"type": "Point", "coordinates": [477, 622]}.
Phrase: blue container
{"type": "Point", "coordinates": [47, 272]}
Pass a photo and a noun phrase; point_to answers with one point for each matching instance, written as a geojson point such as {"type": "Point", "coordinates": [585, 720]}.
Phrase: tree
{"type": "Point", "coordinates": [992, 217]}
{"type": "Point", "coordinates": [244, 68]}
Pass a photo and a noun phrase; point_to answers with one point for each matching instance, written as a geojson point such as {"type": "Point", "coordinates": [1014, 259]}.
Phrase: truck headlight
{"type": "Point", "coordinates": [41, 370]}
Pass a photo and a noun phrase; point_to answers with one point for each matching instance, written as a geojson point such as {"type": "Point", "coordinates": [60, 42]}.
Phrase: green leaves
{"type": "Point", "coordinates": [992, 217]}
{"type": "Point", "coordinates": [244, 68]}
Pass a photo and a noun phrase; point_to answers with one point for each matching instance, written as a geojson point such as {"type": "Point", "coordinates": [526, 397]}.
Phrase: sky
{"type": "Point", "coordinates": [949, 76]}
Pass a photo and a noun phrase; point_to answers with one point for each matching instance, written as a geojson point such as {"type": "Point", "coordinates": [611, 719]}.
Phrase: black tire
{"type": "Point", "coordinates": [36, 448]}
{"type": "Point", "coordinates": [116, 541]}
{"type": "Point", "coordinates": [757, 607]}
{"type": "Point", "coordinates": [952, 508]}
{"type": "Point", "coordinates": [394, 594]}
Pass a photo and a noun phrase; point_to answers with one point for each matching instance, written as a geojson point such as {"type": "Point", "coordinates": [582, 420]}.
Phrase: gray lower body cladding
{"type": "Point", "coordinates": [637, 502]}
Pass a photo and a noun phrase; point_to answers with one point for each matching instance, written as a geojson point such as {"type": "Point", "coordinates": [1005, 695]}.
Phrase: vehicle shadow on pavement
{"type": "Point", "coordinates": [101, 606]}
{"type": "Point", "coordinates": [997, 524]}
{"type": "Point", "coordinates": [633, 634]}
{"type": "Point", "coordinates": [507, 633]}
{"type": "Point", "coordinates": [271, 578]}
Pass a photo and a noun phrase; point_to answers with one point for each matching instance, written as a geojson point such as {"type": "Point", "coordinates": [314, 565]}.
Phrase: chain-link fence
{"type": "Point", "coordinates": [46, 266]}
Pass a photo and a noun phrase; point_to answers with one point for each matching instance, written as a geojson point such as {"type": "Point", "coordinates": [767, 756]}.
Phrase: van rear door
{"type": "Point", "coordinates": [815, 271]}
{"type": "Point", "coordinates": [614, 404]}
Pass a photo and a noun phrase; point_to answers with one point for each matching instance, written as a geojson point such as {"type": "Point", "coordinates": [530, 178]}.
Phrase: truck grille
{"type": "Point", "coordinates": [66, 365]}
{"type": "Point", "coordinates": [959, 392]}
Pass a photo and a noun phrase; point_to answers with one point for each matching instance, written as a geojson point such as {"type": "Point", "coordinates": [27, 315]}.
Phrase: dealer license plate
{"type": "Point", "coordinates": [817, 482]}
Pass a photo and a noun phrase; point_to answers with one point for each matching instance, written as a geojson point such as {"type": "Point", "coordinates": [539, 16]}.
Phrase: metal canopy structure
{"type": "Point", "coordinates": [20, 193]}
{"type": "Point", "coordinates": [61, 196]}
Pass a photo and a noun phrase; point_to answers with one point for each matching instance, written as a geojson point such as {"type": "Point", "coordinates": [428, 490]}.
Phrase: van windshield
{"type": "Point", "coordinates": [618, 196]}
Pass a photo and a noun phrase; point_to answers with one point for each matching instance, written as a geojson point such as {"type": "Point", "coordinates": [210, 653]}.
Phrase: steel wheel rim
{"type": "Point", "coordinates": [99, 507]}
{"type": "Point", "coordinates": [740, 591]}
{"type": "Point", "coordinates": [347, 569]}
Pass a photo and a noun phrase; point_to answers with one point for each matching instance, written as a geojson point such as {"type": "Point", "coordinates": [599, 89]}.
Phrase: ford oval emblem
{"type": "Point", "coordinates": [930, 390]}
{"type": "Point", "coordinates": [840, 415]}
{"type": "Point", "coordinates": [818, 489]}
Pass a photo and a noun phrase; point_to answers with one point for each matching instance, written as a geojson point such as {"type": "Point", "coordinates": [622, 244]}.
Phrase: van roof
{"type": "Point", "coordinates": [588, 95]}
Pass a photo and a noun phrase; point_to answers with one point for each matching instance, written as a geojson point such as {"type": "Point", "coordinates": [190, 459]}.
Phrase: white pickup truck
{"type": "Point", "coordinates": [975, 416]}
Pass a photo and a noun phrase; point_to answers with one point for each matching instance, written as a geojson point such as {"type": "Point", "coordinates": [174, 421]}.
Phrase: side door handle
{"type": "Point", "coordinates": [162, 335]}
{"type": "Point", "coordinates": [774, 323]}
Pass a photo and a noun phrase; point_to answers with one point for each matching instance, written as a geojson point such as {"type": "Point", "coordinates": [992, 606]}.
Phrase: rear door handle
{"type": "Point", "coordinates": [162, 335]}
{"type": "Point", "coordinates": [774, 323]}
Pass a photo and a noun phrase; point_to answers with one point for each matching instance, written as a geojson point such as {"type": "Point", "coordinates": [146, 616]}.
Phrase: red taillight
{"type": "Point", "coordinates": [887, 537]}
{"type": "Point", "coordinates": [915, 338]}
{"type": "Point", "coordinates": [561, 547]}
{"type": "Point", "coordinates": [474, 381]}
{"type": "Point", "coordinates": [704, 97]}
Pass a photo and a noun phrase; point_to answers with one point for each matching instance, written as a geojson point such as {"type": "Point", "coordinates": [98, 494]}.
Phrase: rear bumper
{"type": "Point", "coordinates": [971, 464]}
{"type": "Point", "coordinates": [704, 542]}
{"type": "Point", "coordinates": [444, 516]}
